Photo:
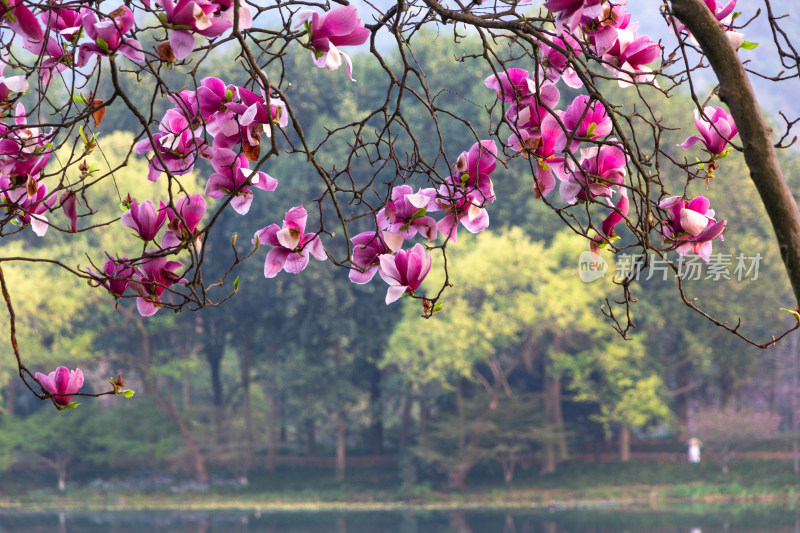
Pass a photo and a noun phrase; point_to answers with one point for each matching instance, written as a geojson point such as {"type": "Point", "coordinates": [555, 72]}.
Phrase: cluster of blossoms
{"type": "Point", "coordinates": [233, 118]}
{"type": "Point", "coordinates": [461, 198]}
{"type": "Point", "coordinates": [575, 146]}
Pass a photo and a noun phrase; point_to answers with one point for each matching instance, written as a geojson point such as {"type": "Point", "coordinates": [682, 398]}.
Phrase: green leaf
{"type": "Point", "coordinates": [129, 393]}
{"type": "Point", "coordinates": [236, 284]}
{"type": "Point", "coordinates": [747, 45]}
{"type": "Point", "coordinates": [792, 312]}
{"type": "Point", "coordinates": [70, 405]}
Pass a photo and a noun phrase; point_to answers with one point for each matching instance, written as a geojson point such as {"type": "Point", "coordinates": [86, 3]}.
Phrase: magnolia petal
{"type": "Point", "coordinates": [274, 262]}
{"type": "Point", "coordinates": [394, 292]}
{"type": "Point", "coordinates": [693, 222]}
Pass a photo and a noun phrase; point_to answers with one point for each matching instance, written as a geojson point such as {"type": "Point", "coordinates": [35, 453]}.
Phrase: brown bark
{"type": "Point", "coordinates": [340, 446]}
{"type": "Point", "coordinates": [272, 432]}
{"type": "Point", "coordinates": [624, 443]}
{"type": "Point", "coordinates": [405, 422]}
{"type": "Point", "coordinates": [759, 153]}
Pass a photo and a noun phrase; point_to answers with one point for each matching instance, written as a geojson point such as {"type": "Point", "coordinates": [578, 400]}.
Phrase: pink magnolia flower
{"type": "Point", "coordinates": [154, 277]}
{"type": "Point", "coordinates": [556, 64]}
{"type": "Point", "coordinates": [144, 219]}
{"type": "Point", "coordinates": [29, 209]}
{"type": "Point", "coordinates": [367, 249]}
{"type": "Point", "coordinates": [255, 113]}
{"type": "Point", "coordinates": [117, 275]}
{"type": "Point", "coordinates": [604, 31]}
{"type": "Point", "coordinates": [183, 220]}
{"type": "Point", "coordinates": [234, 178]}
{"type": "Point", "coordinates": [16, 15]}
{"type": "Point", "coordinates": [65, 21]}
{"type": "Point", "coordinates": [62, 384]}
{"type": "Point", "coordinates": [462, 205]}
{"type": "Point", "coordinates": [716, 127]}
{"type": "Point", "coordinates": [601, 169]}
{"type": "Point", "coordinates": [54, 58]}
{"type": "Point", "coordinates": [213, 97]}
{"type": "Point", "coordinates": [177, 142]}
{"type": "Point", "coordinates": [473, 167]}
{"type": "Point", "coordinates": [107, 35]}
{"type": "Point", "coordinates": [631, 55]}
{"type": "Point", "coordinates": [617, 214]}
{"type": "Point", "coordinates": [543, 147]}
{"type": "Point", "coordinates": [529, 116]}
{"type": "Point", "coordinates": [291, 247]}
{"type": "Point", "coordinates": [406, 213]}
{"type": "Point", "coordinates": [69, 203]}
{"type": "Point", "coordinates": [570, 12]}
{"type": "Point", "coordinates": [338, 27]}
{"type": "Point", "coordinates": [187, 17]}
{"type": "Point", "coordinates": [512, 85]}
{"type": "Point", "coordinates": [404, 271]}
{"type": "Point", "coordinates": [586, 120]}
{"type": "Point", "coordinates": [690, 225]}
{"type": "Point", "coordinates": [10, 86]}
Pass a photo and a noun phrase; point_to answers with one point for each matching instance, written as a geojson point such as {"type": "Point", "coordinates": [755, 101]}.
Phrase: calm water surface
{"type": "Point", "coordinates": [765, 520]}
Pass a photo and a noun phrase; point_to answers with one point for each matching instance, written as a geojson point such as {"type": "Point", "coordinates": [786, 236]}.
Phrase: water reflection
{"type": "Point", "coordinates": [741, 520]}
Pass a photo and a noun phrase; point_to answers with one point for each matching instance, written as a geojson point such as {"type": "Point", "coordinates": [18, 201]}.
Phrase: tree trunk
{"type": "Point", "coordinates": [214, 358]}
{"type": "Point", "coordinates": [624, 443]}
{"type": "Point", "coordinates": [341, 444]}
{"type": "Point", "coordinates": [793, 350]}
{"type": "Point", "coordinates": [405, 422]}
{"type": "Point", "coordinates": [423, 414]}
{"type": "Point", "coordinates": [311, 438]}
{"type": "Point", "coordinates": [272, 432]}
{"type": "Point", "coordinates": [376, 410]}
{"type": "Point", "coordinates": [244, 370]}
{"type": "Point", "coordinates": [551, 443]}
{"type": "Point", "coordinates": [558, 420]}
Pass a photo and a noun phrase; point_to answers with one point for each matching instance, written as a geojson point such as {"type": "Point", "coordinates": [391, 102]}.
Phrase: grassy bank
{"type": "Point", "coordinates": [573, 485]}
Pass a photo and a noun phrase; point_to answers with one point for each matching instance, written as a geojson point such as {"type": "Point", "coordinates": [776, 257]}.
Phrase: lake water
{"type": "Point", "coordinates": [681, 520]}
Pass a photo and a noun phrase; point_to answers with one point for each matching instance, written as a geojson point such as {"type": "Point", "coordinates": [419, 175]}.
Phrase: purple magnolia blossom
{"type": "Point", "coordinates": [473, 168]}
{"type": "Point", "coordinates": [529, 116]}
{"type": "Point", "coordinates": [28, 208]}
{"type": "Point", "coordinates": [16, 15]}
{"type": "Point", "coordinates": [291, 247]}
{"type": "Point", "coordinates": [338, 27]}
{"type": "Point", "coordinates": [404, 271]}
{"type": "Point", "coordinates": [255, 114]}
{"type": "Point", "coordinates": [690, 225]}
{"type": "Point", "coordinates": [716, 127]}
{"type": "Point", "coordinates": [600, 170]}
{"type": "Point", "coordinates": [155, 275]}
{"type": "Point", "coordinates": [54, 58]}
{"type": "Point", "coordinates": [107, 35]}
{"type": "Point", "coordinates": [183, 220]}
{"type": "Point", "coordinates": [586, 120]}
{"type": "Point", "coordinates": [405, 213]}
{"type": "Point", "coordinates": [617, 214]}
{"type": "Point", "coordinates": [62, 384]}
{"type": "Point", "coordinates": [512, 85]}
{"type": "Point", "coordinates": [234, 178]}
{"type": "Point", "coordinates": [117, 275]}
{"type": "Point", "coordinates": [556, 64]}
{"type": "Point", "coordinates": [604, 31]}
{"type": "Point", "coordinates": [177, 143]}
{"type": "Point", "coordinates": [10, 85]}
{"type": "Point", "coordinates": [367, 249]}
{"type": "Point", "coordinates": [145, 219]}
{"type": "Point", "coordinates": [549, 141]}
{"type": "Point", "coordinates": [213, 97]}
{"type": "Point", "coordinates": [69, 203]}
{"type": "Point", "coordinates": [65, 21]}
{"type": "Point", "coordinates": [631, 55]}
{"type": "Point", "coordinates": [569, 13]}
{"type": "Point", "coordinates": [187, 17]}
{"type": "Point", "coordinates": [461, 204]}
